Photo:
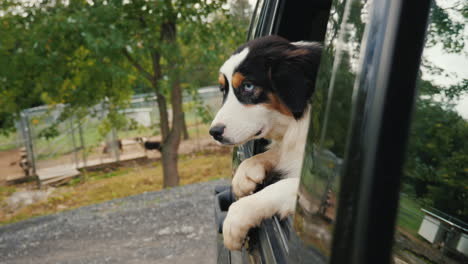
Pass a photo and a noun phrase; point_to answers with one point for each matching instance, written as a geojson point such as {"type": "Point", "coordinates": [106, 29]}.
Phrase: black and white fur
{"type": "Point", "coordinates": [266, 84]}
{"type": "Point", "coordinates": [149, 145]}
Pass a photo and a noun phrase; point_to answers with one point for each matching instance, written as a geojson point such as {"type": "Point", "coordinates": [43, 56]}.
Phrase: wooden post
{"type": "Point", "coordinates": [115, 144]}
{"type": "Point", "coordinates": [26, 129]}
{"type": "Point", "coordinates": [75, 155]}
{"type": "Point", "coordinates": [82, 142]}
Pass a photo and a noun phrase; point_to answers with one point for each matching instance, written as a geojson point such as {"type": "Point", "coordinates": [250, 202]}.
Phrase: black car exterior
{"type": "Point", "coordinates": [366, 89]}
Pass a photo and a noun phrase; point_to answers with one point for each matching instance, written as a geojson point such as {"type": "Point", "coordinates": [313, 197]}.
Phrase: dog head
{"type": "Point", "coordinates": [266, 84]}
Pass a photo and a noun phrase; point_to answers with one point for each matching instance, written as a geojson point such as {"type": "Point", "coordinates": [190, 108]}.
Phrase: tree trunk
{"type": "Point", "coordinates": [184, 127]}
{"type": "Point", "coordinates": [172, 141]}
{"type": "Point", "coordinates": [171, 146]}
{"type": "Point", "coordinates": [162, 104]}
{"type": "Point", "coordinates": [170, 136]}
{"type": "Point", "coordinates": [163, 116]}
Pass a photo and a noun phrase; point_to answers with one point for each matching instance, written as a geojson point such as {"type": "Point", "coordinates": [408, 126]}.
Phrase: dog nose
{"type": "Point", "coordinates": [217, 131]}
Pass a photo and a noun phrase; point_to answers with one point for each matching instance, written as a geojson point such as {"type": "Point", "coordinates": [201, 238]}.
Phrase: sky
{"type": "Point", "coordinates": [452, 63]}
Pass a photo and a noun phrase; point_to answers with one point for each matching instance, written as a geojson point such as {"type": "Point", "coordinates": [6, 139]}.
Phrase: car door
{"type": "Point", "coordinates": [349, 189]}
{"type": "Point", "coordinates": [347, 201]}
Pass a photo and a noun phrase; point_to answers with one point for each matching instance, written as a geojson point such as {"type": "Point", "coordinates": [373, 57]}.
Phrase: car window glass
{"type": "Point", "coordinates": [256, 19]}
{"type": "Point", "coordinates": [433, 214]}
{"type": "Point", "coordinates": [330, 118]}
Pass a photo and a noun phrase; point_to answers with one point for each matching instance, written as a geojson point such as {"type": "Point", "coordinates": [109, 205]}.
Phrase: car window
{"type": "Point", "coordinates": [330, 119]}
{"type": "Point", "coordinates": [433, 213]}
{"type": "Point", "coordinates": [256, 19]}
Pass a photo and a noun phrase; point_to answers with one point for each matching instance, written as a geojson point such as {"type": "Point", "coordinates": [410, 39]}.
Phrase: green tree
{"type": "Point", "coordinates": [436, 169]}
{"type": "Point", "coordinates": [81, 52]}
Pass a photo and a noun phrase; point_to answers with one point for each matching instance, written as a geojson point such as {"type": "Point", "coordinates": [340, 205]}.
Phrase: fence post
{"type": "Point", "coordinates": [198, 133]}
{"type": "Point", "coordinates": [26, 131]}
{"type": "Point", "coordinates": [82, 142]}
{"type": "Point", "coordinates": [19, 136]}
{"type": "Point", "coordinates": [185, 133]}
{"type": "Point", "coordinates": [115, 144]}
{"type": "Point", "coordinates": [75, 155]}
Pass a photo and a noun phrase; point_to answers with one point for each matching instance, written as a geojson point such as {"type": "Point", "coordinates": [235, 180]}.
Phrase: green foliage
{"type": "Point", "coordinates": [205, 48]}
{"type": "Point", "coordinates": [49, 132]}
{"type": "Point", "coordinates": [436, 170]}
{"type": "Point", "coordinates": [74, 52]}
{"type": "Point", "coordinates": [197, 105]}
{"type": "Point", "coordinates": [445, 30]}
{"type": "Point", "coordinates": [114, 119]}
{"type": "Point", "coordinates": [49, 62]}
{"type": "Point", "coordinates": [437, 163]}
{"type": "Point", "coordinates": [338, 105]}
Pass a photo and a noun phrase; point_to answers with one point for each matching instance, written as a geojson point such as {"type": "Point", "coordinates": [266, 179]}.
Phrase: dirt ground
{"type": "Point", "coordinates": [9, 165]}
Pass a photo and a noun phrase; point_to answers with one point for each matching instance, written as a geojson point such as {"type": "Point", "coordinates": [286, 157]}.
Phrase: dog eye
{"type": "Point", "coordinates": [248, 86]}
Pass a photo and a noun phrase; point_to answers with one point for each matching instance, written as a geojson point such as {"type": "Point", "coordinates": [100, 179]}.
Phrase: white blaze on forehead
{"type": "Point", "coordinates": [231, 64]}
{"type": "Point", "coordinates": [306, 44]}
{"type": "Point", "coordinates": [243, 122]}
{"type": "Point", "coordinates": [240, 122]}
{"type": "Point", "coordinates": [231, 103]}
{"type": "Point", "coordinates": [301, 43]}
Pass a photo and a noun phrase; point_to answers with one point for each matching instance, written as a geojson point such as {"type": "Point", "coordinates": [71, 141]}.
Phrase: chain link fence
{"type": "Point", "coordinates": [48, 140]}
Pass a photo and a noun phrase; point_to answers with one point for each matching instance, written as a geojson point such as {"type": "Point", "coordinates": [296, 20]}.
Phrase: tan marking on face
{"type": "Point", "coordinates": [257, 91]}
{"type": "Point", "coordinates": [237, 80]}
{"type": "Point", "coordinates": [221, 80]}
{"type": "Point", "coordinates": [276, 104]}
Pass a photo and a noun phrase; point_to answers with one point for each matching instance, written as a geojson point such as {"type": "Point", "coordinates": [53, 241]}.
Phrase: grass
{"type": "Point", "coordinates": [6, 191]}
{"type": "Point", "coordinates": [200, 130]}
{"type": "Point", "coordinates": [8, 142]}
{"type": "Point", "coordinates": [409, 215]}
{"type": "Point", "coordinates": [100, 186]}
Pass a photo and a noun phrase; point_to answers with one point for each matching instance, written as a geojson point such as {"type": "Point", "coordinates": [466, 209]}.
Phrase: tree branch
{"type": "Point", "coordinates": [140, 68]}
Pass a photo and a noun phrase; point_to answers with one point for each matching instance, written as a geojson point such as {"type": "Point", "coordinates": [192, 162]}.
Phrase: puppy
{"type": "Point", "coordinates": [149, 145]}
{"type": "Point", "coordinates": [266, 86]}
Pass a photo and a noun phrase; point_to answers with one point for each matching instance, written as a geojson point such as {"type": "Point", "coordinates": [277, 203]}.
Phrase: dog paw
{"type": "Point", "coordinates": [275, 199]}
{"type": "Point", "coordinates": [239, 220]}
{"type": "Point", "coordinates": [248, 175]}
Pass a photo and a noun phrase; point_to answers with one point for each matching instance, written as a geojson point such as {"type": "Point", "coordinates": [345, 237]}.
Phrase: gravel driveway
{"type": "Point", "coordinates": [170, 226]}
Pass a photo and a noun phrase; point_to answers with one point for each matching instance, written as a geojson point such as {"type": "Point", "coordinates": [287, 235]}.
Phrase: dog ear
{"type": "Point", "coordinates": [293, 75]}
